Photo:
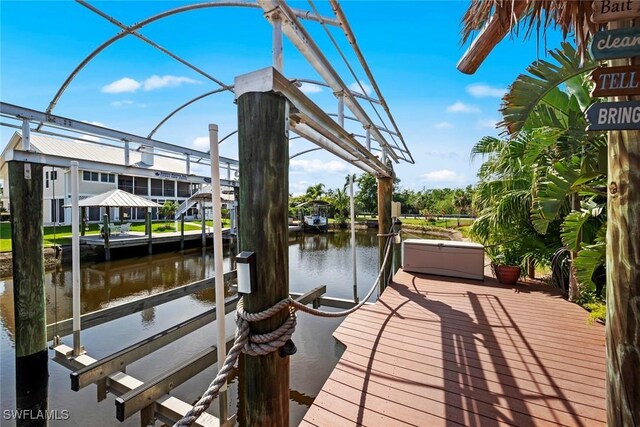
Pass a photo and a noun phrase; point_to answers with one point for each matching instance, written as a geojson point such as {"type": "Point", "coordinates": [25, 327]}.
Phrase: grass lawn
{"type": "Point", "coordinates": [61, 234]}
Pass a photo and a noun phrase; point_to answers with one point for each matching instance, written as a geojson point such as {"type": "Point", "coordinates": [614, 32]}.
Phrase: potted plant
{"type": "Point", "coordinates": [506, 262]}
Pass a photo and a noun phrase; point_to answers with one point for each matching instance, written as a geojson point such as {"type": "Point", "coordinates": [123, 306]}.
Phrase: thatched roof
{"type": "Point", "coordinates": [534, 16]}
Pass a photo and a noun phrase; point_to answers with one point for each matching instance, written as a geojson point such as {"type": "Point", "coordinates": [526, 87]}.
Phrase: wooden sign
{"type": "Point", "coordinates": [614, 116]}
{"type": "Point", "coordinates": [612, 44]}
{"type": "Point", "coordinates": [611, 10]}
{"type": "Point", "coordinates": [616, 81]}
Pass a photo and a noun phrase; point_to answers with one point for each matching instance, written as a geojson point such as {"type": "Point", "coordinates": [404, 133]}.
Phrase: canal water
{"type": "Point", "coordinates": [313, 260]}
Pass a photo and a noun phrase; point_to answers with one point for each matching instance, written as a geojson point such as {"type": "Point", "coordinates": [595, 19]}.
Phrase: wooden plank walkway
{"type": "Point", "coordinates": [437, 351]}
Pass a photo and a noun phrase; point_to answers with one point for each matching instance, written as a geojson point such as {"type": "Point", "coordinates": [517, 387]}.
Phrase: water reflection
{"type": "Point", "coordinates": [314, 260]}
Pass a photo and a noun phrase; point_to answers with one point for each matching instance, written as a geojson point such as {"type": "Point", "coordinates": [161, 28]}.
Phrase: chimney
{"type": "Point", "coordinates": [147, 155]}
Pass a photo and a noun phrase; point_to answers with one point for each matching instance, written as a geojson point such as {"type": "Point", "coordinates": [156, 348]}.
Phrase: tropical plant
{"type": "Point", "coordinates": [533, 179]}
{"type": "Point", "coordinates": [168, 209]}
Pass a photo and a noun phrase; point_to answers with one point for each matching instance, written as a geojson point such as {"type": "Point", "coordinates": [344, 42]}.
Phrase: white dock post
{"type": "Point", "coordinates": [218, 265]}
{"type": "Point", "coordinates": [75, 256]}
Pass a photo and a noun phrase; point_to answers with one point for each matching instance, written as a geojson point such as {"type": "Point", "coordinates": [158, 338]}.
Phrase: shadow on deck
{"type": "Point", "coordinates": [438, 351]}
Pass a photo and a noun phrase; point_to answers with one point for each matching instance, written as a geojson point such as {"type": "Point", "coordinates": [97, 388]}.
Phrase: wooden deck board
{"type": "Point", "coordinates": [437, 351]}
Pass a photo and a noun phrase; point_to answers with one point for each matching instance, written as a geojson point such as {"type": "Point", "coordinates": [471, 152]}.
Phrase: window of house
{"type": "Point", "coordinates": [156, 187]}
{"type": "Point", "coordinates": [184, 189]}
{"type": "Point", "coordinates": [107, 177]}
{"type": "Point", "coordinates": [141, 186]}
{"type": "Point", "coordinates": [90, 176]}
{"type": "Point", "coordinates": [169, 189]}
{"type": "Point", "coordinates": [94, 213]}
{"type": "Point", "coordinates": [54, 175]}
{"type": "Point", "coordinates": [125, 183]}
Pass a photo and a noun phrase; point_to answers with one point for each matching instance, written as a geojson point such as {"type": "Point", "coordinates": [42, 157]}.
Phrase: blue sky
{"type": "Point", "coordinates": [412, 49]}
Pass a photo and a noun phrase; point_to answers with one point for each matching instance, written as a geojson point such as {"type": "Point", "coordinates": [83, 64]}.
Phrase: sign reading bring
{"type": "Point", "coordinates": [614, 116]}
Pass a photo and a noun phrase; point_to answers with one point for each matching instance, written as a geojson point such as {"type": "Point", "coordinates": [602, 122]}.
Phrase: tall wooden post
{"type": "Point", "coordinates": [106, 231]}
{"type": "Point", "coordinates": [32, 372]}
{"type": "Point", "coordinates": [264, 189]}
{"type": "Point", "coordinates": [623, 273]}
{"type": "Point", "coordinates": [83, 220]}
{"type": "Point", "coordinates": [203, 224]}
{"type": "Point", "coordinates": [385, 193]}
{"type": "Point", "coordinates": [150, 227]}
{"type": "Point", "coordinates": [182, 231]}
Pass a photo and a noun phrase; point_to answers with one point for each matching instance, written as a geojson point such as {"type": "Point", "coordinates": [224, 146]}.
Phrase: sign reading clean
{"type": "Point", "coordinates": [614, 116]}
{"type": "Point", "coordinates": [612, 44]}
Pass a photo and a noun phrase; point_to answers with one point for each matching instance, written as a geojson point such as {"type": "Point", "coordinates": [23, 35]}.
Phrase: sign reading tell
{"type": "Point", "coordinates": [612, 44]}
{"type": "Point", "coordinates": [614, 116]}
{"type": "Point", "coordinates": [616, 81]}
{"type": "Point", "coordinates": [611, 10]}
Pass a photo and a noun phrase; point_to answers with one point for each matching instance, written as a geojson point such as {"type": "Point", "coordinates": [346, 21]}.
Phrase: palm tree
{"type": "Point", "coordinates": [314, 192]}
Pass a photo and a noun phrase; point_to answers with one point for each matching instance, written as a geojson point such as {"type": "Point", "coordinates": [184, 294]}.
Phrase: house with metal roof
{"type": "Point", "coordinates": [103, 167]}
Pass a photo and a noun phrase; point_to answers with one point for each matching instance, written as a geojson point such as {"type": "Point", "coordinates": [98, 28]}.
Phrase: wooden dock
{"type": "Point", "coordinates": [134, 238]}
{"type": "Point", "coordinates": [437, 351]}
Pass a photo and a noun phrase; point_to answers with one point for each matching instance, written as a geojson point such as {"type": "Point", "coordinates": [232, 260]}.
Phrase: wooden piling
{"type": "Point", "coordinates": [397, 248]}
{"type": "Point", "coordinates": [150, 227]}
{"type": "Point", "coordinates": [27, 234]}
{"type": "Point", "coordinates": [204, 225]}
{"type": "Point", "coordinates": [385, 193]}
{"type": "Point", "coordinates": [623, 272]}
{"type": "Point", "coordinates": [106, 230]}
{"type": "Point", "coordinates": [83, 220]}
{"type": "Point", "coordinates": [264, 189]}
{"type": "Point", "coordinates": [182, 231]}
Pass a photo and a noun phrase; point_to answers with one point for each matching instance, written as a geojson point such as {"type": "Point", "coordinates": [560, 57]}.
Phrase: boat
{"type": "Point", "coordinates": [313, 216]}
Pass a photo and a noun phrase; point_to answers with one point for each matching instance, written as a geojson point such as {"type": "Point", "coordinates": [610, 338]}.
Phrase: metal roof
{"type": "Point", "coordinates": [84, 150]}
{"type": "Point", "coordinates": [118, 198]}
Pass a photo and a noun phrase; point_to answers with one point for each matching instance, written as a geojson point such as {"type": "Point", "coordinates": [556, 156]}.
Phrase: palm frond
{"type": "Point", "coordinates": [531, 89]}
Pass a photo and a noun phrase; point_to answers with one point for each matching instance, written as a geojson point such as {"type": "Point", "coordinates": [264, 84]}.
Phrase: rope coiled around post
{"type": "Point", "coordinates": [263, 344]}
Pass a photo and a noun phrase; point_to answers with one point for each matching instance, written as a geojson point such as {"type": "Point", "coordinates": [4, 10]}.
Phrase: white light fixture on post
{"type": "Point", "coordinates": [246, 265]}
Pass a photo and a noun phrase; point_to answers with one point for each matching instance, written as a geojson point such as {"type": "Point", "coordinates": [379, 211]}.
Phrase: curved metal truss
{"type": "Point", "coordinates": [287, 21]}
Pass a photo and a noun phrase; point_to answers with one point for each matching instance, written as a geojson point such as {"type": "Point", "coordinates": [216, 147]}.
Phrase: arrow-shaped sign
{"type": "Point", "coordinates": [614, 116]}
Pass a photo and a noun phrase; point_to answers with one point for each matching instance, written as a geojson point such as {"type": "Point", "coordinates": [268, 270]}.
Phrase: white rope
{"type": "Point", "coordinates": [263, 344]}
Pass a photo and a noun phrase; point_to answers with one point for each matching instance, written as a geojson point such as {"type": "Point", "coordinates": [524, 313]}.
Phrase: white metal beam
{"type": "Point", "coordinates": [305, 112]}
{"type": "Point", "coordinates": [303, 41]}
{"type": "Point", "coordinates": [23, 113]}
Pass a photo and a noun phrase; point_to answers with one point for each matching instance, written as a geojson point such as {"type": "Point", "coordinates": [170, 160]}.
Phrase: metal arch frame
{"type": "Point", "coordinates": [304, 152]}
{"type": "Point", "coordinates": [52, 104]}
{"type": "Point", "coordinates": [181, 107]}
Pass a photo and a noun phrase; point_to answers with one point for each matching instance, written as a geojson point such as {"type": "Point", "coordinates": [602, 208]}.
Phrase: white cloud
{"type": "Point", "coordinates": [122, 103]}
{"type": "Point", "coordinates": [157, 82]}
{"type": "Point", "coordinates": [201, 143]}
{"type": "Point", "coordinates": [444, 154]}
{"type": "Point", "coordinates": [310, 88]}
{"type": "Point", "coordinates": [487, 123]}
{"type": "Point", "coordinates": [125, 84]}
{"type": "Point", "coordinates": [443, 125]}
{"type": "Point", "coordinates": [442, 175]}
{"type": "Point", "coordinates": [355, 87]}
{"type": "Point", "coordinates": [481, 90]}
{"type": "Point", "coordinates": [317, 165]}
{"type": "Point", "coordinates": [461, 107]}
